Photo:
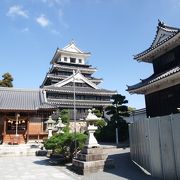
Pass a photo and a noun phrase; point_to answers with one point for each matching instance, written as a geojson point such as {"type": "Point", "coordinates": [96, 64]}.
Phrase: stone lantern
{"type": "Point", "coordinates": [91, 119]}
{"type": "Point", "coordinates": [91, 158]}
{"type": "Point", "coordinates": [50, 125]}
{"type": "Point", "coordinates": [60, 126]}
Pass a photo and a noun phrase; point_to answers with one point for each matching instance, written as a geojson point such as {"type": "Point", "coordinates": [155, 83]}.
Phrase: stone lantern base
{"type": "Point", "coordinates": [91, 160]}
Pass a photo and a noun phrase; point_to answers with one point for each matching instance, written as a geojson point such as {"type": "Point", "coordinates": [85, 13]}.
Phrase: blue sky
{"type": "Point", "coordinates": [112, 30]}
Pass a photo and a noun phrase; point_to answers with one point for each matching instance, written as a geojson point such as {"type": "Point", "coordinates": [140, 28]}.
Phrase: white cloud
{"type": "Point", "coordinates": [42, 20]}
{"type": "Point", "coordinates": [17, 10]}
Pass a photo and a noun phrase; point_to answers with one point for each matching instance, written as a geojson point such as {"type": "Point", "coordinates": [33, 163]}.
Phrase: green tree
{"type": "Point", "coordinates": [117, 111]}
{"type": "Point", "coordinates": [100, 123]}
{"type": "Point", "coordinates": [7, 80]}
{"type": "Point", "coordinates": [65, 116]}
{"type": "Point", "coordinates": [64, 144]}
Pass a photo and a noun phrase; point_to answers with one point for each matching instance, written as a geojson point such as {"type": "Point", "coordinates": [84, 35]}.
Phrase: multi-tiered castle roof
{"type": "Point", "coordinates": [69, 68]}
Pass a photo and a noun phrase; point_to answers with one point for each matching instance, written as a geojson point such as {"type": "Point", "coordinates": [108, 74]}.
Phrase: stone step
{"type": "Point", "coordinates": [13, 139]}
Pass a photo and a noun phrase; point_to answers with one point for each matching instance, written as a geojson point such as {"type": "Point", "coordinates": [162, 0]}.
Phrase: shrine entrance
{"type": "Point", "coordinates": [15, 130]}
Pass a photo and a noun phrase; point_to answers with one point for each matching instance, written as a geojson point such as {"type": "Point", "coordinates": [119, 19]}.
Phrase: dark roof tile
{"type": "Point", "coordinates": [154, 78]}
{"type": "Point", "coordinates": [22, 99]}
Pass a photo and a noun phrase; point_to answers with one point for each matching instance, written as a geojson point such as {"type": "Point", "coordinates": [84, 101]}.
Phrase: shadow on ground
{"type": "Point", "coordinates": [125, 168]}
{"type": "Point", "coordinates": [50, 162]}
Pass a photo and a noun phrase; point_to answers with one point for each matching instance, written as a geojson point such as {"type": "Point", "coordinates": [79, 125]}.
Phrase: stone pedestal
{"type": "Point", "coordinates": [90, 160]}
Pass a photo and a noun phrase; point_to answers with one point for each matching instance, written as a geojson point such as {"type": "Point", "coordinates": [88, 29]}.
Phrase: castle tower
{"type": "Point", "coordinates": [70, 73]}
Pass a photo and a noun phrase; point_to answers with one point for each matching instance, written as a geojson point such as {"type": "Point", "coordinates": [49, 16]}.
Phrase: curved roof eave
{"type": "Point", "coordinates": [159, 42]}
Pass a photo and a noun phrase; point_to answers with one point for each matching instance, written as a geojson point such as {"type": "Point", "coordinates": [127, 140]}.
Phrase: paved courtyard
{"type": "Point", "coordinates": [32, 168]}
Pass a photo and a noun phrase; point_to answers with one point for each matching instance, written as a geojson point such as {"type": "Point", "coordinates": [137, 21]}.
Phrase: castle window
{"type": "Point", "coordinates": [65, 59]}
{"type": "Point", "coordinates": [73, 60]}
{"type": "Point", "coordinates": [80, 60]}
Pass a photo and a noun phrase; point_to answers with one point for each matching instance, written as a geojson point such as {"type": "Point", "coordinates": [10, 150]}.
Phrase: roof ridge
{"type": "Point", "coordinates": [18, 89]}
{"type": "Point", "coordinates": [164, 26]}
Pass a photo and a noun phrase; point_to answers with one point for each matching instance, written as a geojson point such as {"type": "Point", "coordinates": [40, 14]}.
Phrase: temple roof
{"type": "Point", "coordinates": [145, 83]}
{"type": "Point", "coordinates": [80, 90]}
{"type": "Point", "coordinates": [60, 77]}
{"type": "Point", "coordinates": [165, 39]}
{"type": "Point", "coordinates": [71, 48]}
{"type": "Point", "coordinates": [22, 99]}
{"type": "Point", "coordinates": [70, 102]}
{"type": "Point", "coordinates": [75, 67]}
{"type": "Point", "coordinates": [77, 77]}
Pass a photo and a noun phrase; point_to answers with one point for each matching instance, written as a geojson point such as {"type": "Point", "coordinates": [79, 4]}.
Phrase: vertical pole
{"type": "Point", "coordinates": [17, 115]}
{"type": "Point", "coordinates": [74, 90]}
{"type": "Point", "coordinates": [117, 140]}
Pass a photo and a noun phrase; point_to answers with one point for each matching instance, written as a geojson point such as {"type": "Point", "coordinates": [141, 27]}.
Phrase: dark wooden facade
{"type": "Point", "coordinates": [163, 102]}
{"type": "Point", "coordinates": [162, 88]}
{"type": "Point", "coordinates": [167, 61]}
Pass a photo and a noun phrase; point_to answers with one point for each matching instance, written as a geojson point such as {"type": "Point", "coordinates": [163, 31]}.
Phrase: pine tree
{"type": "Point", "coordinates": [118, 110]}
{"type": "Point", "coordinates": [7, 80]}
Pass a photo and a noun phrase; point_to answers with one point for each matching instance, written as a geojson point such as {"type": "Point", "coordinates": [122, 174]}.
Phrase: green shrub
{"type": "Point", "coordinates": [65, 116]}
{"type": "Point", "coordinates": [64, 144]}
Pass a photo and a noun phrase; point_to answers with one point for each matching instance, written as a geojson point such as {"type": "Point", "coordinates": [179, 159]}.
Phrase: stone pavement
{"type": "Point", "coordinates": [124, 169]}
{"type": "Point", "coordinates": [32, 168]}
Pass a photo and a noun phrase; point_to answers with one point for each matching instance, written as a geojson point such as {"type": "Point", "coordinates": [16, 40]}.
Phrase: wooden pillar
{"type": "Point", "coordinates": [4, 131]}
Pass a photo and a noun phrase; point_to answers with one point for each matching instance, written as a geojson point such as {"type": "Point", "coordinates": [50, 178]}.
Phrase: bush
{"type": "Point", "coordinates": [65, 116]}
{"type": "Point", "coordinates": [65, 144]}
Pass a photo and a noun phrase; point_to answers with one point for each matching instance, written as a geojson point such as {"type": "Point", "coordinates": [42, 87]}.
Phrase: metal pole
{"type": "Point", "coordinates": [17, 115]}
{"type": "Point", "coordinates": [117, 140]}
{"type": "Point", "coordinates": [75, 144]}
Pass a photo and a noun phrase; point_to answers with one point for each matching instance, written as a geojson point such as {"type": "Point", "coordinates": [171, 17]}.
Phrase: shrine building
{"type": "Point", "coordinates": [22, 115]}
{"type": "Point", "coordinates": [162, 88]}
